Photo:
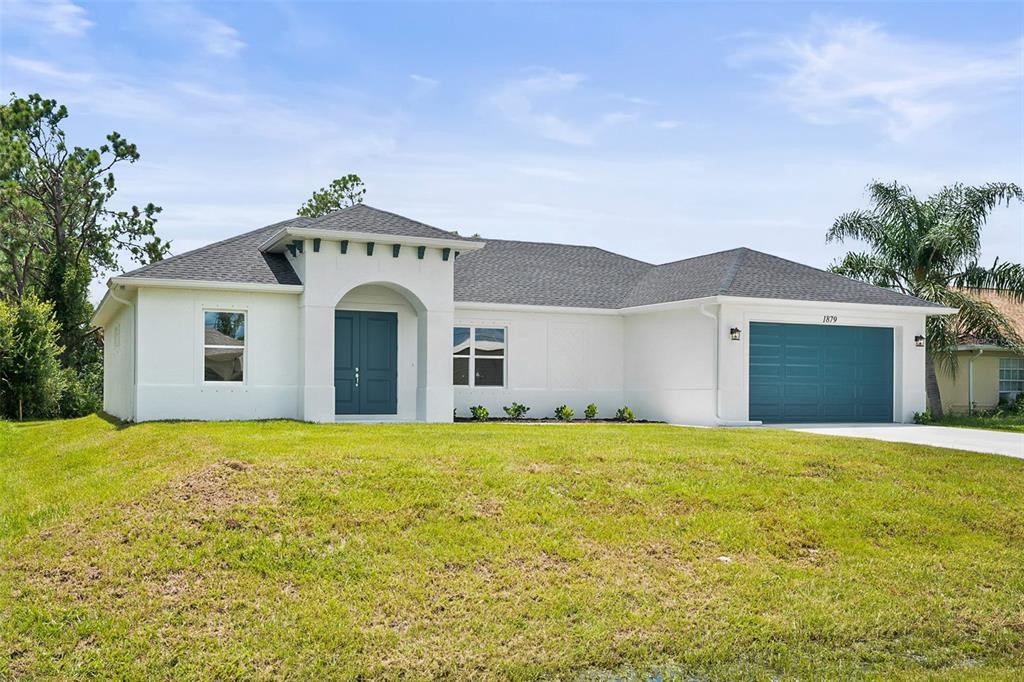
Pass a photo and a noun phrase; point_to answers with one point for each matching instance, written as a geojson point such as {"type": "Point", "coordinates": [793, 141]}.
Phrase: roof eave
{"type": "Point", "coordinates": [164, 283]}
{"type": "Point", "coordinates": [889, 307]}
{"type": "Point", "coordinates": [276, 240]}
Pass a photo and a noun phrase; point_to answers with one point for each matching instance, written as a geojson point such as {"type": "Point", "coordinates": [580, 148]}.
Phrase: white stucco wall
{"type": "Point", "coordinates": [118, 360]}
{"type": "Point", "coordinates": [170, 356]}
{"type": "Point", "coordinates": [551, 359]}
{"type": "Point", "coordinates": [670, 365]}
{"type": "Point", "coordinates": [426, 285]}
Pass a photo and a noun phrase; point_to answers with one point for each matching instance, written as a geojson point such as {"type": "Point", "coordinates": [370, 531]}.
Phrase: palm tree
{"type": "Point", "coordinates": [930, 249]}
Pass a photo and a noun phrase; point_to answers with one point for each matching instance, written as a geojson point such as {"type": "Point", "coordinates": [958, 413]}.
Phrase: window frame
{"type": "Point", "coordinates": [1018, 368]}
{"type": "Point", "coordinates": [472, 357]}
{"type": "Point", "coordinates": [203, 346]}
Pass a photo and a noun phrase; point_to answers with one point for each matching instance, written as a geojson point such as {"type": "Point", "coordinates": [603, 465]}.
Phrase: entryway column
{"type": "Point", "coordinates": [434, 396]}
{"type": "Point", "coordinates": [316, 363]}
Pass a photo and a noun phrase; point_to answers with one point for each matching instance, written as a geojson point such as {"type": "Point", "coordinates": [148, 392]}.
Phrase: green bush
{"type": "Point", "coordinates": [83, 391]}
{"type": "Point", "coordinates": [31, 379]}
{"type": "Point", "coordinates": [479, 413]}
{"type": "Point", "coordinates": [924, 417]}
{"type": "Point", "coordinates": [624, 414]}
{"type": "Point", "coordinates": [591, 411]}
{"type": "Point", "coordinates": [516, 410]}
{"type": "Point", "coordinates": [564, 413]}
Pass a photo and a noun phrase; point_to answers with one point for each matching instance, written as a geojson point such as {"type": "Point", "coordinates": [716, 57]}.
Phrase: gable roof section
{"type": "Point", "coordinates": [363, 218]}
{"type": "Point", "coordinates": [236, 259]}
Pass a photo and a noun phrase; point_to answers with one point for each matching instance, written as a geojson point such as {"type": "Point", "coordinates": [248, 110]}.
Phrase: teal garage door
{"type": "Point", "coordinates": [820, 373]}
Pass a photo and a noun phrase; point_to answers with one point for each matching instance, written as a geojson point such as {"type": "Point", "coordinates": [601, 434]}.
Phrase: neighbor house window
{"type": "Point", "coordinates": [1011, 378]}
{"type": "Point", "coordinates": [478, 356]}
{"type": "Point", "coordinates": [223, 346]}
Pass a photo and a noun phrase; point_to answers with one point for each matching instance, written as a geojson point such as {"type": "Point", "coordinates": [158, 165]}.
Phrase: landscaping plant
{"type": "Point", "coordinates": [624, 414]}
{"type": "Point", "coordinates": [590, 412]}
{"type": "Point", "coordinates": [564, 413]}
{"type": "Point", "coordinates": [516, 410]}
{"type": "Point", "coordinates": [479, 413]}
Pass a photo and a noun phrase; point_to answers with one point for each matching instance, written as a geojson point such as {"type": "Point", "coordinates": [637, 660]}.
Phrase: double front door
{"type": "Point", "coordinates": [365, 362]}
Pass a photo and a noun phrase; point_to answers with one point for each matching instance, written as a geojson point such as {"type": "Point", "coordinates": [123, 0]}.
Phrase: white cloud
{"type": "Point", "coordinates": [537, 103]}
{"type": "Point", "coordinates": [517, 101]}
{"type": "Point", "coordinates": [41, 69]}
{"type": "Point", "coordinates": [212, 35]}
{"type": "Point", "coordinates": [54, 16]}
{"type": "Point", "coordinates": [854, 71]}
{"type": "Point", "coordinates": [668, 124]}
{"type": "Point", "coordinates": [424, 80]}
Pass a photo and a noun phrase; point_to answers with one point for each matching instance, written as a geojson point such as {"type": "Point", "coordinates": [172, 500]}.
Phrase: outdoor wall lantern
{"type": "Point", "coordinates": [734, 333]}
{"type": "Point", "coordinates": [919, 341]}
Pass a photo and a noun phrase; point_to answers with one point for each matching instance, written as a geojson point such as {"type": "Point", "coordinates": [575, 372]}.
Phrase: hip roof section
{"type": "Point", "coordinates": [537, 273]}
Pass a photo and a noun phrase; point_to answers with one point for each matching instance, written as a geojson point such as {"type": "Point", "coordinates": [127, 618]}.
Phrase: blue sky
{"type": "Point", "coordinates": [656, 130]}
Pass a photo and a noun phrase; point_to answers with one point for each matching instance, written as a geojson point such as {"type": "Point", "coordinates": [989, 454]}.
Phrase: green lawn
{"type": "Point", "coordinates": [1006, 422]}
{"type": "Point", "coordinates": [501, 551]}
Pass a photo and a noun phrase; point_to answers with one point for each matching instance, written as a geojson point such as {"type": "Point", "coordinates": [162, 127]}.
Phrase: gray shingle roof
{"type": "Point", "coordinates": [534, 273]}
{"type": "Point", "coordinates": [545, 274]}
{"type": "Point", "coordinates": [363, 218]}
{"type": "Point", "coordinates": [580, 276]}
{"type": "Point", "coordinates": [236, 259]}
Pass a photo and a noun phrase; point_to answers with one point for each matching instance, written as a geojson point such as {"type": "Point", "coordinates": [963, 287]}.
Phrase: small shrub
{"type": "Point", "coordinates": [924, 417]}
{"type": "Point", "coordinates": [479, 413]}
{"type": "Point", "coordinates": [31, 379]}
{"type": "Point", "coordinates": [591, 411]}
{"type": "Point", "coordinates": [564, 413]}
{"type": "Point", "coordinates": [624, 414]}
{"type": "Point", "coordinates": [516, 410]}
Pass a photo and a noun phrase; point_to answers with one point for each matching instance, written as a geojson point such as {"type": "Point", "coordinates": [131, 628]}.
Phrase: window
{"type": "Point", "coordinates": [478, 356]}
{"type": "Point", "coordinates": [223, 346]}
{"type": "Point", "coordinates": [1011, 378]}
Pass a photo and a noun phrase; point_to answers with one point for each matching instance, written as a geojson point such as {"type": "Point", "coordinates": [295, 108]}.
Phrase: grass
{"type": "Point", "coordinates": [996, 422]}
{"type": "Point", "coordinates": [498, 551]}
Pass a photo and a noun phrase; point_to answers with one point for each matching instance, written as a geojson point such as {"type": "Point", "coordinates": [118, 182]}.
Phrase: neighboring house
{"type": "Point", "coordinates": [987, 374]}
{"type": "Point", "coordinates": [364, 314]}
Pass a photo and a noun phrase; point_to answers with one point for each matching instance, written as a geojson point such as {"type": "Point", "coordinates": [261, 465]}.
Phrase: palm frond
{"type": "Point", "coordinates": [860, 225]}
{"type": "Point", "coordinates": [1002, 278]}
{"type": "Point", "coordinates": [869, 268]}
{"type": "Point", "coordinates": [981, 321]}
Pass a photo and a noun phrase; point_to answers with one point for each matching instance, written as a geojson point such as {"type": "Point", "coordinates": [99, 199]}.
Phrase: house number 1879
{"type": "Point", "coordinates": [829, 319]}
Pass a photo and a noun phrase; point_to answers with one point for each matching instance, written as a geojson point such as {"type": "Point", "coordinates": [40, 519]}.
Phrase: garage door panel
{"type": "Point", "coordinates": [796, 372]}
{"type": "Point", "coordinates": [815, 373]}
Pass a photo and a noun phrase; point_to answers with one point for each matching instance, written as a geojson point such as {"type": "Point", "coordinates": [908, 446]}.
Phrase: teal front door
{"type": "Point", "coordinates": [820, 373]}
{"type": "Point", "coordinates": [365, 362]}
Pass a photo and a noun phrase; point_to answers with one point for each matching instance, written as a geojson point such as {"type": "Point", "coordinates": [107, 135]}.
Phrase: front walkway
{"type": "Point", "coordinates": [976, 440]}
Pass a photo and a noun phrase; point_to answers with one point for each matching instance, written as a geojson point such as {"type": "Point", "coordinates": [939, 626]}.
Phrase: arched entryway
{"type": "Point", "coordinates": [377, 337]}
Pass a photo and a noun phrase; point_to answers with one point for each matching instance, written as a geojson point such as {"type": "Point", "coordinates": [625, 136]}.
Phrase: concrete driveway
{"type": "Point", "coordinates": [976, 440]}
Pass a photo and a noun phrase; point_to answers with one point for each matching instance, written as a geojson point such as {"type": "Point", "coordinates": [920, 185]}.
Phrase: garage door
{"type": "Point", "coordinates": [820, 373]}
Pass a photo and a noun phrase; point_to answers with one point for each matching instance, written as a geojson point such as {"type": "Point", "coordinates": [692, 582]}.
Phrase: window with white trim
{"type": "Point", "coordinates": [1011, 378]}
{"type": "Point", "coordinates": [223, 346]}
{"type": "Point", "coordinates": [478, 356]}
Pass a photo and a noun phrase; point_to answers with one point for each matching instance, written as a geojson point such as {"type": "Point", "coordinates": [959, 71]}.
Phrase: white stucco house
{"type": "Point", "coordinates": [366, 315]}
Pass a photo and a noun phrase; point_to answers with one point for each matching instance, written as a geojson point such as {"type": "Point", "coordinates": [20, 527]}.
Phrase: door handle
{"type": "Point", "coordinates": [357, 377]}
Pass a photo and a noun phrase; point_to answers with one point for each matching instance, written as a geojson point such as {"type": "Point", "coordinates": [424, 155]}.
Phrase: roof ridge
{"type": "Point", "coordinates": [730, 273]}
{"type": "Point", "coordinates": [207, 247]}
{"type": "Point", "coordinates": [319, 219]}
{"type": "Point", "coordinates": [574, 246]}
